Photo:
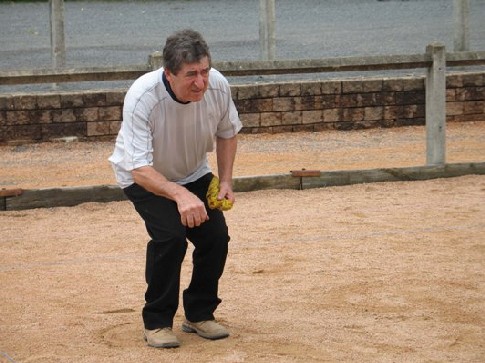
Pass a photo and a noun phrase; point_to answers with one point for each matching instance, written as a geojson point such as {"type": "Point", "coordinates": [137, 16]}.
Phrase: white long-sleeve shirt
{"type": "Point", "coordinates": [171, 136]}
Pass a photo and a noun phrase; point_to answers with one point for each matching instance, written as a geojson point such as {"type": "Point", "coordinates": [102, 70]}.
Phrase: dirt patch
{"type": "Point", "coordinates": [58, 164]}
{"type": "Point", "coordinates": [371, 272]}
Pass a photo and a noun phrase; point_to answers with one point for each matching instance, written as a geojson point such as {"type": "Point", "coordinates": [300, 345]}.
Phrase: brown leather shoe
{"type": "Point", "coordinates": [161, 338]}
{"type": "Point", "coordinates": [208, 329]}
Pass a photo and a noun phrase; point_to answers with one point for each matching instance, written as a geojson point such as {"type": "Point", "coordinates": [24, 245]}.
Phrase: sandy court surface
{"type": "Point", "coordinates": [58, 164]}
{"type": "Point", "coordinates": [384, 272]}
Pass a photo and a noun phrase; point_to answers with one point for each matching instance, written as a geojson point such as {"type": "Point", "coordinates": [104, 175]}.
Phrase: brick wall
{"type": "Point", "coordinates": [271, 107]}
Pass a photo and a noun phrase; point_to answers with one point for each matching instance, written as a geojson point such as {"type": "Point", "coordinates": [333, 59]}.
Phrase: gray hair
{"type": "Point", "coordinates": [184, 47]}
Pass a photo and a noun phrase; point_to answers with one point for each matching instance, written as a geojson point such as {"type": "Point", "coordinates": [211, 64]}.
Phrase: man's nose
{"type": "Point", "coordinates": [199, 81]}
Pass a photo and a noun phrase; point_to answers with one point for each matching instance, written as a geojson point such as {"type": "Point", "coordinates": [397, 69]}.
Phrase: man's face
{"type": "Point", "coordinates": [191, 82]}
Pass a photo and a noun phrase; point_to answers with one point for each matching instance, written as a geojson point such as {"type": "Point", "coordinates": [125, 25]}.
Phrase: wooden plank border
{"type": "Point", "coordinates": [65, 197]}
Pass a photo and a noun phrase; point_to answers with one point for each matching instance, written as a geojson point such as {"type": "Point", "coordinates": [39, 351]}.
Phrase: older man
{"type": "Point", "coordinates": [172, 117]}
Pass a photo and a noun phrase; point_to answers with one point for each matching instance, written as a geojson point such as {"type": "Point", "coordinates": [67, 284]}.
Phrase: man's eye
{"type": "Point", "coordinates": [204, 73]}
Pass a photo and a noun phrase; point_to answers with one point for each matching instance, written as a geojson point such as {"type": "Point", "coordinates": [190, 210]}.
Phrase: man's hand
{"type": "Point", "coordinates": [191, 208]}
{"type": "Point", "coordinates": [226, 152]}
{"type": "Point", "coordinates": [226, 192]}
{"type": "Point", "coordinates": [220, 195]}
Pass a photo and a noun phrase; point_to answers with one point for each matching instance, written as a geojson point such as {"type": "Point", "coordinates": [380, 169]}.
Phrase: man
{"type": "Point", "coordinates": [171, 118]}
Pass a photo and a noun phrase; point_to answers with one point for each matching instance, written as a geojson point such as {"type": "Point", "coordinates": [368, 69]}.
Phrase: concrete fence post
{"type": "Point", "coordinates": [58, 47]}
{"type": "Point", "coordinates": [436, 105]}
{"type": "Point", "coordinates": [155, 60]}
{"type": "Point", "coordinates": [267, 29]}
{"type": "Point", "coordinates": [461, 11]}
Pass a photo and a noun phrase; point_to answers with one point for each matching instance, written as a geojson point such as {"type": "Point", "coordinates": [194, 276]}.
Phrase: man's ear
{"type": "Point", "coordinates": [168, 74]}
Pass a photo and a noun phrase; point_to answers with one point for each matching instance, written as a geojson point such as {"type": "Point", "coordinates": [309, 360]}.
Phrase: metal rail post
{"type": "Point", "coordinates": [436, 105]}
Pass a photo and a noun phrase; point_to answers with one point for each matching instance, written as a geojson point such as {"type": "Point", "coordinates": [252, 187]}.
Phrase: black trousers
{"type": "Point", "coordinates": [166, 251]}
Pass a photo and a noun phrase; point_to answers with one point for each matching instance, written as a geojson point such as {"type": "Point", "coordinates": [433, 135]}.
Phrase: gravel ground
{"type": "Point", "coordinates": [384, 272]}
{"type": "Point", "coordinates": [57, 164]}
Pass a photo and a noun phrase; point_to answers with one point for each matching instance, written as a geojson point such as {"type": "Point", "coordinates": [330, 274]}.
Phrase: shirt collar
{"type": "Point", "coordinates": [170, 90]}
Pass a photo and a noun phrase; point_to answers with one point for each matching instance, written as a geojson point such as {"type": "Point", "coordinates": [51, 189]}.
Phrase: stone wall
{"type": "Point", "coordinates": [269, 107]}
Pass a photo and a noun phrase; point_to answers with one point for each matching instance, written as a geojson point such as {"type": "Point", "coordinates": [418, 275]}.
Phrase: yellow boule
{"type": "Point", "coordinates": [213, 192]}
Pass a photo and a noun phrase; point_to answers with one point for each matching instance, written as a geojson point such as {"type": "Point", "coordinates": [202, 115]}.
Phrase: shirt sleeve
{"type": "Point", "coordinates": [138, 149]}
{"type": "Point", "coordinates": [230, 124]}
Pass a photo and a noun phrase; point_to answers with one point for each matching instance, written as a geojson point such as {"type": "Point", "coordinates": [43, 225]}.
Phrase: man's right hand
{"type": "Point", "coordinates": [192, 209]}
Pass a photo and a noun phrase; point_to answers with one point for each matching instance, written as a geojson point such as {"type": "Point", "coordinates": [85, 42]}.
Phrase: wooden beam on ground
{"type": "Point", "coordinates": [305, 173]}
{"type": "Point", "coordinates": [65, 197]}
{"type": "Point", "coordinates": [340, 178]}
{"type": "Point", "coordinates": [8, 193]}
